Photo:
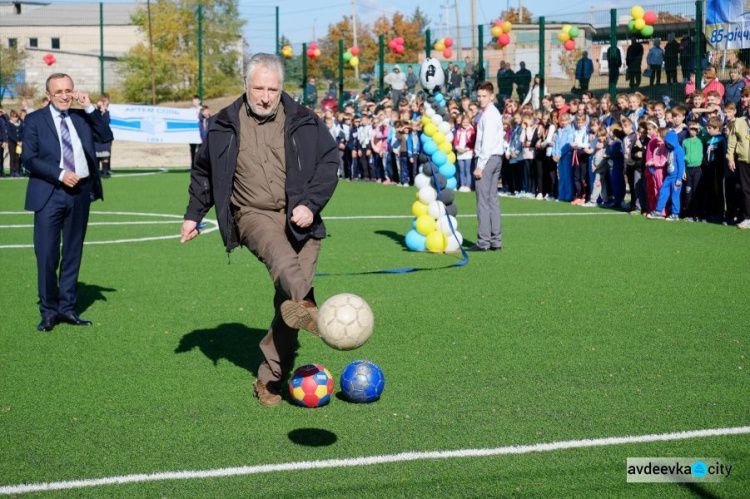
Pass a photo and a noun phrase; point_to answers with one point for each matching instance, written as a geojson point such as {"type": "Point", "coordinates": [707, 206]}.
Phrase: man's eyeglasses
{"type": "Point", "coordinates": [60, 93]}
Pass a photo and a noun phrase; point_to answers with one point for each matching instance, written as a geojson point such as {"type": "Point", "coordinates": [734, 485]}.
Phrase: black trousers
{"type": "Point", "coordinates": [671, 75]}
{"type": "Point", "coordinates": [580, 175]}
{"type": "Point", "coordinates": [655, 75]}
{"type": "Point", "coordinates": [743, 169]}
{"type": "Point", "coordinates": [692, 206]}
{"type": "Point", "coordinates": [634, 77]}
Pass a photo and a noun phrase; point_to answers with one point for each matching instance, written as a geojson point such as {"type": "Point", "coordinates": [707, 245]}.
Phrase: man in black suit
{"type": "Point", "coordinates": [59, 154]}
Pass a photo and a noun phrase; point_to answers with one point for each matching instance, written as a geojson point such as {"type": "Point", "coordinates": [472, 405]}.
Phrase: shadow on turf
{"type": "Point", "coordinates": [88, 294]}
{"type": "Point", "coordinates": [312, 437]}
{"type": "Point", "coordinates": [399, 238]}
{"type": "Point", "coordinates": [698, 491]}
{"type": "Point", "coordinates": [234, 342]}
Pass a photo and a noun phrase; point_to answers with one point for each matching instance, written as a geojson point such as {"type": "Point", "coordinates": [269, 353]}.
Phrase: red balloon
{"type": "Point", "coordinates": [354, 50]}
{"type": "Point", "coordinates": [49, 59]}
{"type": "Point", "coordinates": [499, 22]}
{"type": "Point", "coordinates": [504, 39]}
{"type": "Point", "coordinates": [399, 40]}
{"type": "Point", "coordinates": [650, 17]}
{"type": "Point", "coordinates": [311, 53]}
{"type": "Point", "coordinates": [314, 45]}
{"type": "Point", "coordinates": [570, 44]}
{"type": "Point", "coordinates": [448, 42]}
{"type": "Point", "coordinates": [447, 53]}
{"type": "Point", "coordinates": [399, 49]}
{"type": "Point", "coordinates": [392, 45]}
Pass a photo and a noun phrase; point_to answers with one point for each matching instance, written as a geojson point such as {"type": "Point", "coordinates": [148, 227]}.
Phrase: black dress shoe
{"type": "Point", "coordinates": [47, 325]}
{"type": "Point", "coordinates": [477, 248]}
{"type": "Point", "coordinates": [496, 248]}
{"type": "Point", "coordinates": [74, 319]}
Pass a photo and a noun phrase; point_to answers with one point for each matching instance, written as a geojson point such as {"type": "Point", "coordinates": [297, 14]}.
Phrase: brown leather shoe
{"type": "Point", "coordinates": [300, 315]}
{"type": "Point", "coordinates": [266, 395]}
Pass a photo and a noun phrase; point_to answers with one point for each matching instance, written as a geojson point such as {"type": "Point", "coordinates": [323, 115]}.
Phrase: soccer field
{"type": "Point", "coordinates": [590, 324]}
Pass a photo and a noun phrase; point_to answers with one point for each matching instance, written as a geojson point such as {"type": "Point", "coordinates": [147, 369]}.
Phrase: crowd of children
{"type": "Point", "coordinates": [688, 162]}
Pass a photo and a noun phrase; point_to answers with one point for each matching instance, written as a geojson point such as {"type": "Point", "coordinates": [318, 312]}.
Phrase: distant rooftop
{"type": "Point", "coordinates": [67, 14]}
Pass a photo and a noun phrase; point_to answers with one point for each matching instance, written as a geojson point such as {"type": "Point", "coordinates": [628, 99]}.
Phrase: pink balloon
{"type": "Point", "coordinates": [310, 53]}
{"type": "Point", "coordinates": [355, 50]}
{"type": "Point", "coordinates": [447, 53]}
{"type": "Point", "coordinates": [399, 40]}
{"type": "Point", "coordinates": [448, 42]}
{"type": "Point", "coordinates": [314, 45]}
{"type": "Point", "coordinates": [650, 17]}
{"type": "Point", "coordinates": [392, 45]}
{"type": "Point", "coordinates": [504, 39]}
{"type": "Point", "coordinates": [499, 22]}
{"type": "Point", "coordinates": [399, 49]}
{"type": "Point", "coordinates": [570, 44]}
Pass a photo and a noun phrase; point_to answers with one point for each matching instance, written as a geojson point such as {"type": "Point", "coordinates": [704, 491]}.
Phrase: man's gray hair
{"type": "Point", "coordinates": [270, 61]}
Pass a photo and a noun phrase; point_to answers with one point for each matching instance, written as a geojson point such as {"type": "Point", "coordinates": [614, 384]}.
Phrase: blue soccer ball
{"type": "Point", "coordinates": [362, 381]}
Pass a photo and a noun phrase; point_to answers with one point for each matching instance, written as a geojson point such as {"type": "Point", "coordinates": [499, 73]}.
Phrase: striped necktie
{"type": "Point", "coordinates": [69, 162]}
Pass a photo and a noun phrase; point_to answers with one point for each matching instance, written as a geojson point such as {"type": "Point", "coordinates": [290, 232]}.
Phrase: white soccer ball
{"type": "Point", "coordinates": [345, 321]}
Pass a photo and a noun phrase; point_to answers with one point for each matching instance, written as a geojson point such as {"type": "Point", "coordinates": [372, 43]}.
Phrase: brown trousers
{"type": "Point", "coordinates": [291, 265]}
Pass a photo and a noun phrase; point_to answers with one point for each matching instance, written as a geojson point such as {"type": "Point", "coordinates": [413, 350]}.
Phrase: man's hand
{"type": "Point", "coordinates": [70, 179]}
{"type": "Point", "coordinates": [478, 173]}
{"type": "Point", "coordinates": [189, 230]}
{"type": "Point", "coordinates": [302, 216]}
{"type": "Point", "coordinates": [82, 97]}
{"type": "Point", "coordinates": [678, 183]}
{"type": "Point", "coordinates": [732, 165]}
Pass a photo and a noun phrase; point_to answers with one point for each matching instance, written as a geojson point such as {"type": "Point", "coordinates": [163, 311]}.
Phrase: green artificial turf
{"type": "Point", "coordinates": [582, 327]}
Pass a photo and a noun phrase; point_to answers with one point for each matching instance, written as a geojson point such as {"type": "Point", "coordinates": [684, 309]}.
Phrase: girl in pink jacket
{"type": "Point", "coordinates": [656, 162]}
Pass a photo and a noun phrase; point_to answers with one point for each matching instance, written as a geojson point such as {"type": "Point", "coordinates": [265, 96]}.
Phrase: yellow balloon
{"type": "Point", "coordinates": [496, 31]}
{"type": "Point", "coordinates": [446, 147]}
{"type": "Point", "coordinates": [426, 224]}
{"type": "Point", "coordinates": [507, 26]}
{"type": "Point", "coordinates": [430, 129]}
{"type": "Point", "coordinates": [317, 52]}
{"type": "Point", "coordinates": [639, 24]}
{"type": "Point", "coordinates": [637, 12]}
{"type": "Point", "coordinates": [354, 61]}
{"type": "Point", "coordinates": [419, 209]}
{"type": "Point", "coordinates": [440, 45]}
{"type": "Point", "coordinates": [452, 157]}
{"type": "Point", "coordinates": [439, 138]}
{"type": "Point", "coordinates": [566, 28]}
{"type": "Point", "coordinates": [563, 36]}
{"type": "Point", "coordinates": [436, 241]}
{"type": "Point", "coordinates": [426, 120]}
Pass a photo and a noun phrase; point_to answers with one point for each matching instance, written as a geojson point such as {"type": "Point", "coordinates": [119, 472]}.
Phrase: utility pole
{"type": "Point", "coordinates": [473, 30]}
{"type": "Point", "coordinates": [447, 19]}
{"type": "Point", "coordinates": [459, 55]}
{"type": "Point", "coordinates": [354, 29]}
{"type": "Point", "coordinates": [151, 54]}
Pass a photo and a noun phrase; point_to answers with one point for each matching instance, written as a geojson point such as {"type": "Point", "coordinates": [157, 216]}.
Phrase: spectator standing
{"type": "Point", "coordinates": [196, 107]}
{"type": "Point", "coordinates": [655, 59]}
{"type": "Point", "coordinates": [687, 56]}
{"type": "Point", "coordinates": [312, 93]}
{"type": "Point", "coordinates": [634, 59]}
{"type": "Point", "coordinates": [456, 80]}
{"type": "Point", "coordinates": [614, 61]}
{"type": "Point", "coordinates": [584, 70]}
{"type": "Point", "coordinates": [671, 58]}
{"type": "Point", "coordinates": [104, 149]}
{"type": "Point", "coordinates": [469, 74]}
{"type": "Point", "coordinates": [411, 79]}
{"type": "Point", "coordinates": [733, 88]}
{"type": "Point", "coordinates": [505, 83]}
{"type": "Point", "coordinates": [397, 80]}
{"type": "Point", "coordinates": [537, 90]}
{"type": "Point", "coordinates": [463, 141]}
{"type": "Point", "coordinates": [3, 139]}
{"type": "Point", "coordinates": [712, 83]}
{"type": "Point", "coordinates": [523, 80]}
{"type": "Point", "coordinates": [15, 142]}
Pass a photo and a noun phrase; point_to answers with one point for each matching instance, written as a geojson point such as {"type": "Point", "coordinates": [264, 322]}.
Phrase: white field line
{"type": "Point", "coordinates": [116, 175]}
{"type": "Point", "coordinates": [471, 215]}
{"type": "Point", "coordinates": [144, 222]}
{"type": "Point", "coordinates": [370, 460]}
{"type": "Point", "coordinates": [175, 219]}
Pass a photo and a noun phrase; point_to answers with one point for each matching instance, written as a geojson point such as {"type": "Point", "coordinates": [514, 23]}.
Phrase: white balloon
{"type": "Point", "coordinates": [437, 119]}
{"type": "Point", "coordinates": [429, 112]}
{"type": "Point", "coordinates": [436, 209]}
{"type": "Point", "coordinates": [449, 137]}
{"type": "Point", "coordinates": [444, 127]}
{"type": "Point", "coordinates": [421, 181]}
{"type": "Point", "coordinates": [454, 242]}
{"type": "Point", "coordinates": [431, 74]}
{"type": "Point", "coordinates": [442, 224]}
{"type": "Point", "coordinates": [427, 194]}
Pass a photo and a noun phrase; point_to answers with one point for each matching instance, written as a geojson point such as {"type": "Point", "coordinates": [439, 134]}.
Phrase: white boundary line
{"type": "Point", "coordinates": [119, 241]}
{"type": "Point", "coordinates": [117, 175]}
{"type": "Point", "coordinates": [370, 460]}
{"type": "Point", "coordinates": [472, 215]}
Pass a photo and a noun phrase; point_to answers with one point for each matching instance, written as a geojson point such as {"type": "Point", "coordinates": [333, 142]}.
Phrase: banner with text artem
{"type": "Point", "coordinates": [677, 469]}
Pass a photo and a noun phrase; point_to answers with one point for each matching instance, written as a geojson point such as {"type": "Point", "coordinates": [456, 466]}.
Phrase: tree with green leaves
{"type": "Point", "coordinates": [174, 27]}
{"type": "Point", "coordinates": [11, 60]}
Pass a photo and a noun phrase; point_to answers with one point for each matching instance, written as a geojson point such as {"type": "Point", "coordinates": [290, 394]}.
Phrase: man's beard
{"type": "Point", "coordinates": [264, 113]}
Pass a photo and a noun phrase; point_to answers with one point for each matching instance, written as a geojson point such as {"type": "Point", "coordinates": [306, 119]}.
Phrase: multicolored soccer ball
{"type": "Point", "coordinates": [362, 381]}
{"type": "Point", "coordinates": [345, 321]}
{"type": "Point", "coordinates": [311, 385]}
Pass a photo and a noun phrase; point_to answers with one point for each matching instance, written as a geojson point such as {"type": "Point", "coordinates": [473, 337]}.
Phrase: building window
{"type": "Point", "coordinates": [17, 7]}
{"type": "Point", "coordinates": [33, 43]}
{"type": "Point", "coordinates": [56, 43]}
{"type": "Point", "coordinates": [12, 43]}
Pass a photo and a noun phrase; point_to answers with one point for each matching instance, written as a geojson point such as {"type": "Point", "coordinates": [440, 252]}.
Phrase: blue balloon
{"type": "Point", "coordinates": [430, 147]}
{"type": "Point", "coordinates": [448, 169]}
{"type": "Point", "coordinates": [439, 158]}
{"type": "Point", "coordinates": [414, 223]}
{"type": "Point", "coordinates": [439, 96]}
{"type": "Point", "coordinates": [451, 183]}
{"type": "Point", "coordinates": [416, 241]}
{"type": "Point", "coordinates": [424, 137]}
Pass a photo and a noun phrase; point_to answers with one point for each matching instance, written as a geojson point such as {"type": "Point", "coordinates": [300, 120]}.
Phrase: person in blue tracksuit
{"type": "Point", "coordinates": [562, 153]}
{"type": "Point", "coordinates": [672, 185]}
{"type": "Point", "coordinates": [413, 147]}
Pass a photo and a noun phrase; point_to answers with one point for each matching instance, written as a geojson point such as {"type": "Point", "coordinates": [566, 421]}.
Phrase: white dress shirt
{"type": "Point", "coordinates": [82, 166]}
{"type": "Point", "coordinates": [490, 136]}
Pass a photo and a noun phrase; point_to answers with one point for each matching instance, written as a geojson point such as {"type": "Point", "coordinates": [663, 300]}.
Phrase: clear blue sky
{"type": "Point", "coordinates": [300, 18]}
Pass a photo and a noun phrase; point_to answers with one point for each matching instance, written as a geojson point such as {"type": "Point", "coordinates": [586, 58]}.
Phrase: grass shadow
{"type": "Point", "coordinates": [88, 294]}
{"type": "Point", "coordinates": [395, 236]}
{"type": "Point", "coordinates": [233, 342]}
{"type": "Point", "coordinates": [312, 437]}
{"type": "Point", "coordinates": [699, 491]}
